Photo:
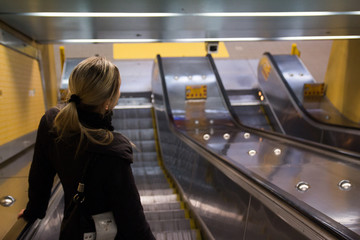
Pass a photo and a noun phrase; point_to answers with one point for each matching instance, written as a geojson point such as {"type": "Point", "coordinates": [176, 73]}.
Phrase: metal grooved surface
{"type": "Point", "coordinates": [161, 206]}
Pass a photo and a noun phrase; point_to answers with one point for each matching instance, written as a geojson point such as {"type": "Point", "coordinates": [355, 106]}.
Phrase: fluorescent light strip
{"type": "Point", "coordinates": [209, 14]}
{"type": "Point", "coordinates": [297, 38]}
{"type": "Point", "coordinates": [109, 40]}
{"type": "Point", "coordinates": [277, 14]}
{"type": "Point", "coordinates": [97, 14]}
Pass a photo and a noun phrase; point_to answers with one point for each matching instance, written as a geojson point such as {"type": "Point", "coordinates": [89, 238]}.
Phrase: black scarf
{"type": "Point", "coordinates": [96, 120]}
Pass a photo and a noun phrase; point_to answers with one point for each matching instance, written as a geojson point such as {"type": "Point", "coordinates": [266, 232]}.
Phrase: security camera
{"type": "Point", "coordinates": [211, 47]}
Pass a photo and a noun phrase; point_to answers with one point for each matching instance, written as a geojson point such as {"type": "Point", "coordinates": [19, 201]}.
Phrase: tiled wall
{"type": "Point", "coordinates": [21, 95]}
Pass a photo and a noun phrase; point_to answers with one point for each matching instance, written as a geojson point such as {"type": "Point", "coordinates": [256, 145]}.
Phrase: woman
{"type": "Point", "coordinates": [81, 132]}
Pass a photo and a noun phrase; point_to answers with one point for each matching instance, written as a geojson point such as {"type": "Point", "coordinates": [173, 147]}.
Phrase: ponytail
{"type": "Point", "coordinates": [93, 82]}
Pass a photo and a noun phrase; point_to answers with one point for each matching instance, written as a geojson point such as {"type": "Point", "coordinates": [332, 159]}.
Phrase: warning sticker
{"type": "Point", "coordinates": [196, 92]}
{"type": "Point", "coordinates": [314, 89]}
{"type": "Point", "coordinates": [265, 68]}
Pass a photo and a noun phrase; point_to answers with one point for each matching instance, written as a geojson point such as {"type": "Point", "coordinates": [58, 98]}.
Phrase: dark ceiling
{"type": "Point", "coordinates": [182, 20]}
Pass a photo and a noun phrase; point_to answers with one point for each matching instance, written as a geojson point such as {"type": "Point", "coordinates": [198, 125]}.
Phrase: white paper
{"type": "Point", "coordinates": [89, 236]}
{"type": "Point", "coordinates": [105, 226]}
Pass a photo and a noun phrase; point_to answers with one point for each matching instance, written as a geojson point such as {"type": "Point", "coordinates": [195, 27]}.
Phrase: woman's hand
{"type": "Point", "coordinates": [21, 213]}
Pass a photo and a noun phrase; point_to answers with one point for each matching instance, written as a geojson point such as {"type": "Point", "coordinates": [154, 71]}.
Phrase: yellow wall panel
{"type": "Point", "coordinates": [150, 50]}
{"type": "Point", "coordinates": [21, 95]}
{"type": "Point", "coordinates": [342, 78]}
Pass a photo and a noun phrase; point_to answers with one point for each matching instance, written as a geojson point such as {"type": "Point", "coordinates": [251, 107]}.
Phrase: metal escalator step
{"type": "Point", "coordinates": [170, 225]}
{"type": "Point", "coordinates": [178, 235]}
{"type": "Point", "coordinates": [155, 192]}
{"type": "Point", "coordinates": [141, 164]}
{"type": "Point", "coordinates": [165, 215]}
{"type": "Point", "coordinates": [144, 156]}
{"type": "Point", "coordinates": [145, 146]}
{"type": "Point", "coordinates": [133, 123]}
{"type": "Point", "coordinates": [158, 199]}
{"type": "Point", "coordinates": [153, 170]}
{"type": "Point", "coordinates": [121, 113]}
{"type": "Point", "coordinates": [152, 186]}
{"type": "Point", "coordinates": [138, 134]}
{"type": "Point", "coordinates": [144, 179]}
{"type": "Point", "coordinates": [161, 206]}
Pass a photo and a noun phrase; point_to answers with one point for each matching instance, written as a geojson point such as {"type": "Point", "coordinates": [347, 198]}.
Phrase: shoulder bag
{"type": "Point", "coordinates": [79, 224]}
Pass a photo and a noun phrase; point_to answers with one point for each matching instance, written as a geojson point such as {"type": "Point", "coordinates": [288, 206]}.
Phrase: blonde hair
{"type": "Point", "coordinates": [95, 81]}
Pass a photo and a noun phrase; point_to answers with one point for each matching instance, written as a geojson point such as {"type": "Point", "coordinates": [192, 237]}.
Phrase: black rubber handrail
{"type": "Point", "coordinates": [22, 228]}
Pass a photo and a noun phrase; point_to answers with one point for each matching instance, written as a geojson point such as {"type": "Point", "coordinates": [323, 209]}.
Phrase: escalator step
{"type": "Point", "coordinates": [153, 170]}
{"type": "Point", "coordinates": [145, 178]}
{"type": "Point", "coordinates": [178, 235]}
{"type": "Point", "coordinates": [145, 146]}
{"type": "Point", "coordinates": [145, 157]}
{"type": "Point", "coordinates": [150, 180]}
{"type": "Point", "coordinates": [170, 225]}
{"type": "Point", "coordinates": [165, 215]}
{"type": "Point", "coordinates": [132, 123]}
{"type": "Point", "coordinates": [158, 199]}
{"type": "Point", "coordinates": [151, 186]}
{"type": "Point", "coordinates": [140, 164]}
{"type": "Point", "coordinates": [156, 192]}
{"type": "Point", "coordinates": [138, 134]}
{"type": "Point", "coordinates": [161, 206]}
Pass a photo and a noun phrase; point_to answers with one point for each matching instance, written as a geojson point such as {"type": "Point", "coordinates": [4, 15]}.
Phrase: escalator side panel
{"type": "Point", "coordinates": [265, 166]}
{"type": "Point", "coordinates": [221, 204]}
{"type": "Point", "coordinates": [283, 108]}
{"type": "Point", "coordinates": [282, 78]}
{"type": "Point", "coordinates": [227, 210]}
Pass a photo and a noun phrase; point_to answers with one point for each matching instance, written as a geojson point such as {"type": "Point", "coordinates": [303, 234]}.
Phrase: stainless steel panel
{"type": "Point", "coordinates": [276, 164]}
{"type": "Point", "coordinates": [283, 108]}
{"type": "Point", "coordinates": [283, 89]}
{"type": "Point", "coordinates": [69, 65]}
{"type": "Point", "coordinates": [320, 108]}
{"type": "Point", "coordinates": [135, 75]}
{"type": "Point", "coordinates": [253, 116]}
{"type": "Point", "coordinates": [16, 146]}
{"type": "Point", "coordinates": [262, 221]}
{"type": "Point", "coordinates": [185, 20]}
{"type": "Point", "coordinates": [238, 74]}
{"type": "Point", "coordinates": [220, 203]}
{"type": "Point", "coordinates": [13, 42]}
{"type": "Point", "coordinates": [181, 28]}
{"type": "Point", "coordinates": [177, 6]}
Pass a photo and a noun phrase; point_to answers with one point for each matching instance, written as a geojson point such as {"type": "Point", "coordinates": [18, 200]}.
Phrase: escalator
{"type": "Point", "coordinates": [241, 181]}
{"type": "Point", "coordinates": [165, 213]}
{"type": "Point", "coordinates": [300, 106]}
{"type": "Point", "coordinates": [234, 182]}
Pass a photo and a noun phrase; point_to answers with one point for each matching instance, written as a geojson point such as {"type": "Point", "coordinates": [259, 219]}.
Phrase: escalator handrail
{"type": "Point", "coordinates": [22, 227]}
{"type": "Point", "coordinates": [331, 226]}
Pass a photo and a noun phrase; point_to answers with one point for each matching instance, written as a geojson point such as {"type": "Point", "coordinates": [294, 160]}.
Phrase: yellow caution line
{"type": "Point", "coordinates": [150, 50]}
{"type": "Point", "coordinates": [171, 182]}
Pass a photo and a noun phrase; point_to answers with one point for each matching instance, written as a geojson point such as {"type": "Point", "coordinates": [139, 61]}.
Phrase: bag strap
{"type": "Point", "coordinates": [80, 196]}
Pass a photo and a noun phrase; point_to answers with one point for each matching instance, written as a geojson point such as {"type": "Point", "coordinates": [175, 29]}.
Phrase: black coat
{"type": "Point", "coordinates": [109, 185]}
